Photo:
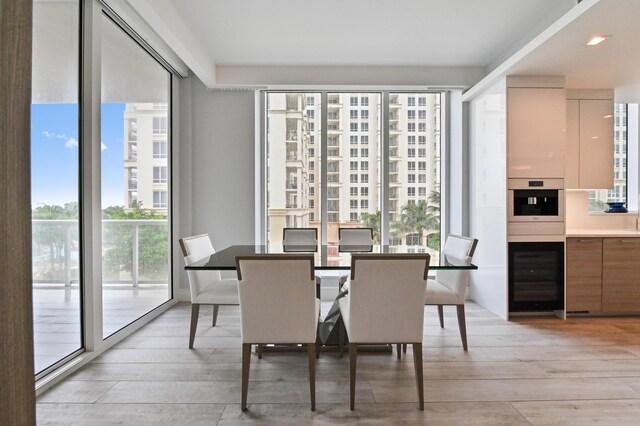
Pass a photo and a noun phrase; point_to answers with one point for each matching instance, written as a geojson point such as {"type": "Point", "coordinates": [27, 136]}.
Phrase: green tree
{"type": "Point", "coordinates": [421, 217]}
{"type": "Point", "coordinates": [153, 242]}
{"type": "Point", "coordinates": [50, 238]}
{"type": "Point", "coordinates": [433, 209]}
{"type": "Point", "coordinates": [372, 220]}
{"type": "Point", "coordinates": [416, 218]}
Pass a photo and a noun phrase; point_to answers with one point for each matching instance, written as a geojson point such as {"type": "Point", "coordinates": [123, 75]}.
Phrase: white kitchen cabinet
{"type": "Point", "coordinates": [589, 159]}
{"type": "Point", "coordinates": [536, 120]}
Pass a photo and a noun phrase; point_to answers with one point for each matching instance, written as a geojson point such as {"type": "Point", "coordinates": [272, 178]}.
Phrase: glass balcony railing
{"type": "Point", "coordinates": [131, 253]}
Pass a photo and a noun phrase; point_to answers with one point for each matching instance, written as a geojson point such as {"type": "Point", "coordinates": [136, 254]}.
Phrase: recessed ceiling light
{"type": "Point", "coordinates": [597, 40]}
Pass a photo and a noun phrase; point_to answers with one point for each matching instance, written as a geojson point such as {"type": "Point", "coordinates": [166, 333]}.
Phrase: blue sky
{"type": "Point", "coordinates": [54, 154]}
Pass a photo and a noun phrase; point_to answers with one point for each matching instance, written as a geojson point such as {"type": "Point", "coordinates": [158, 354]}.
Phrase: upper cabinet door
{"type": "Point", "coordinates": [572, 153]}
{"type": "Point", "coordinates": [596, 144]}
{"type": "Point", "coordinates": [536, 120]}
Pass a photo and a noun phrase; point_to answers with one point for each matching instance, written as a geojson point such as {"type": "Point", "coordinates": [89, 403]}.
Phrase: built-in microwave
{"type": "Point", "coordinates": [535, 200]}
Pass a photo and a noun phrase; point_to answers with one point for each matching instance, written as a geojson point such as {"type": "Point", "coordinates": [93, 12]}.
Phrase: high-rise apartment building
{"type": "Point", "coordinates": [354, 159]}
{"type": "Point", "coordinates": [146, 168]}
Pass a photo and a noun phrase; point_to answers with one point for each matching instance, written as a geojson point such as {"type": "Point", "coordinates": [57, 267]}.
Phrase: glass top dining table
{"type": "Point", "coordinates": [327, 257]}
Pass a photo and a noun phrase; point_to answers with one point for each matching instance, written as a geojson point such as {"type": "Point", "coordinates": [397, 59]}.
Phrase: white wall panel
{"type": "Point", "coordinates": [221, 166]}
{"type": "Point", "coordinates": [487, 201]}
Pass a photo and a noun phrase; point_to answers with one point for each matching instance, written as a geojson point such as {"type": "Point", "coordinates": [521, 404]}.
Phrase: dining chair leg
{"type": "Point", "coordinates": [215, 316]}
{"type": "Point", "coordinates": [311, 349]}
{"type": "Point", "coordinates": [441, 315]}
{"type": "Point", "coordinates": [317, 344]}
{"type": "Point", "coordinates": [404, 348]}
{"type": "Point", "coordinates": [246, 362]}
{"type": "Point", "coordinates": [399, 350]}
{"type": "Point", "coordinates": [353, 352]}
{"type": "Point", "coordinates": [195, 311]}
{"type": "Point", "coordinates": [259, 351]}
{"type": "Point", "coordinates": [417, 364]}
{"type": "Point", "coordinates": [340, 325]}
{"type": "Point", "coordinates": [463, 326]}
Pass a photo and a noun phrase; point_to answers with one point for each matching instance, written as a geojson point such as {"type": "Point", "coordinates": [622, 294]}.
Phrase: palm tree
{"type": "Point", "coordinates": [420, 217]}
{"type": "Point", "coordinates": [372, 220]}
{"type": "Point", "coordinates": [415, 217]}
{"type": "Point", "coordinates": [433, 210]}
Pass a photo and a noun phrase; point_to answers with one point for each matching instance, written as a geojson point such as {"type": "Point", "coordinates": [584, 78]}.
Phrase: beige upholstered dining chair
{"type": "Point", "coordinates": [300, 237]}
{"type": "Point", "coordinates": [206, 287]}
{"type": "Point", "coordinates": [350, 238]}
{"type": "Point", "coordinates": [277, 305]}
{"type": "Point", "coordinates": [450, 286]}
{"type": "Point", "coordinates": [355, 236]}
{"type": "Point", "coordinates": [385, 304]}
{"type": "Point", "coordinates": [302, 240]}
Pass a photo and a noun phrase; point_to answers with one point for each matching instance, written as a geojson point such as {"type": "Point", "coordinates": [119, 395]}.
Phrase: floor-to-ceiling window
{"type": "Point", "coordinates": [135, 179]}
{"type": "Point", "coordinates": [55, 182]}
{"type": "Point", "coordinates": [354, 150]}
{"type": "Point", "coordinates": [414, 170]}
{"type": "Point", "coordinates": [294, 150]}
{"type": "Point", "coordinates": [355, 160]}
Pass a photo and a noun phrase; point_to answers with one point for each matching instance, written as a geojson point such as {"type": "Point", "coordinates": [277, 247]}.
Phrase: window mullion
{"type": "Point", "coordinates": [324, 216]}
{"type": "Point", "coordinates": [384, 175]}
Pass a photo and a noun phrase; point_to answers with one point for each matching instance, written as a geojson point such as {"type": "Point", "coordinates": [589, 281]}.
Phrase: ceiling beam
{"type": "Point", "coordinates": [162, 16]}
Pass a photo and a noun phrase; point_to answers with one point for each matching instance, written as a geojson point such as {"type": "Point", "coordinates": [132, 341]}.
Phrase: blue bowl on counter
{"type": "Point", "coordinates": [616, 207]}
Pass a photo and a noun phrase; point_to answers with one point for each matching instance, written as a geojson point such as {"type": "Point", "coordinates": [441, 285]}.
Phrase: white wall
{"type": "Point", "coordinates": [457, 168]}
{"type": "Point", "coordinates": [216, 144]}
{"type": "Point", "coordinates": [487, 198]}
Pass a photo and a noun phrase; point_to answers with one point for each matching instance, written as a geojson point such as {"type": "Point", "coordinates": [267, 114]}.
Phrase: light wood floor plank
{"type": "Point", "coordinates": [527, 371]}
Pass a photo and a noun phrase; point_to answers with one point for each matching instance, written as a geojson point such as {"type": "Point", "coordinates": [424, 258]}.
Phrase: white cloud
{"type": "Point", "coordinates": [102, 146]}
{"type": "Point", "coordinates": [69, 142]}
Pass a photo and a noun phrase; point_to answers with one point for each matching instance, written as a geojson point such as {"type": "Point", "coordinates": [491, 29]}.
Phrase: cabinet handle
{"type": "Point", "coordinates": [586, 241]}
{"type": "Point", "coordinates": [627, 241]}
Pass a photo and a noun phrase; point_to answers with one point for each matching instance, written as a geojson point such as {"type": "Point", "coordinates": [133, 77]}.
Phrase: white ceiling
{"type": "Point", "coordinates": [614, 63]}
{"type": "Point", "coordinates": [364, 32]}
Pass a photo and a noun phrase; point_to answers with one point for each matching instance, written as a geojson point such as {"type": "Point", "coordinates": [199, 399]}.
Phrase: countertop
{"type": "Point", "coordinates": [602, 233]}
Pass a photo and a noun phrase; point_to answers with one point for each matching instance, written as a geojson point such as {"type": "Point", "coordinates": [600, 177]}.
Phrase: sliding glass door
{"type": "Point", "coordinates": [55, 182]}
{"type": "Point", "coordinates": [135, 180]}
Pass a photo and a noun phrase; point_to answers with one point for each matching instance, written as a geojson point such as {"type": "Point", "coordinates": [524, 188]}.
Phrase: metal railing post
{"type": "Point", "coordinates": [67, 254]}
{"type": "Point", "coordinates": [136, 253]}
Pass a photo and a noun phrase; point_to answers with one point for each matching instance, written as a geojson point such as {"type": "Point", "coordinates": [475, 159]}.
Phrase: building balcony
{"type": "Point", "coordinates": [292, 184]}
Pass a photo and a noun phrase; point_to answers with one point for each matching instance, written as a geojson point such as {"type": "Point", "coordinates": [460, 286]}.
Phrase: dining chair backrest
{"type": "Point", "coordinates": [300, 236]}
{"type": "Point", "coordinates": [457, 248]}
{"type": "Point", "coordinates": [277, 298]}
{"type": "Point", "coordinates": [386, 297]}
{"type": "Point", "coordinates": [195, 248]}
{"type": "Point", "coordinates": [355, 236]}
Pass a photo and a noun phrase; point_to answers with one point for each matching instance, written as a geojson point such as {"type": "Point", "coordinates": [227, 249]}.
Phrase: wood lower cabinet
{"type": "Point", "coordinates": [584, 275]}
{"type": "Point", "coordinates": [621, 275]}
